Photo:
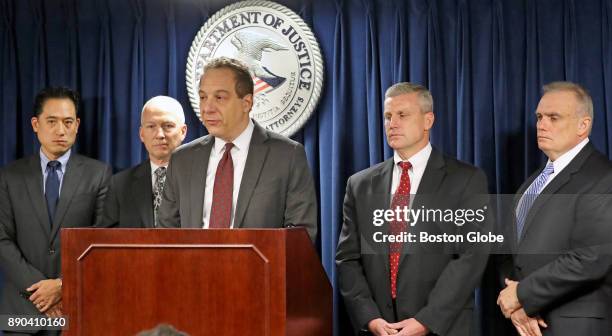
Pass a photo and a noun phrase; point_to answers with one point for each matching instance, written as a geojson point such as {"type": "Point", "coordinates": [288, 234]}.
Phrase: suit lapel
{"type": "Point", "coordinates": [70, 183]}
{"type": "Point", "coordinates": [515, 201]}
{"type": "Point", "coordinates": [430, 183]}
{"type": "Point", "coordinates": [252, 170]}
{"type": "Point", "coordinates": [381, 194]}
{"type": "Point", "coordinates": [34, 183]}
{"type": "Point", "coordinates": [140, 191]}
{"type": "Point", "coordinates": [557, 183]}
{"type": "Point", "coordinates": [199, 167]}
{"type": "Point", "coordinates": [433, 175]}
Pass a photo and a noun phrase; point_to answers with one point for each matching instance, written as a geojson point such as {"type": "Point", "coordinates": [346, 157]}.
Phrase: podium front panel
{"type": "Point", "coordinates": [203, 282]}
{"type": "Point", "coordinates": [167, 284]}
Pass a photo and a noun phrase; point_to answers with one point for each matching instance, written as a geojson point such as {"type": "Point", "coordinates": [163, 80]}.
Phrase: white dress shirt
{"type": "Point", "coordinates": [558, 165]}
{"type": "Point", "coordinates": [418, 162]}
{"type": "Point", "coordinates": [239, 156]}
{"type": "Point", "coordinates": [562, 161]}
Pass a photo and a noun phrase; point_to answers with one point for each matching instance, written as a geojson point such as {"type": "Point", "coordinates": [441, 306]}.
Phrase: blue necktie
{"type": "Point", "coordinates": [52, 188]}
{"type": "Point", "coordinates": [529, 198]}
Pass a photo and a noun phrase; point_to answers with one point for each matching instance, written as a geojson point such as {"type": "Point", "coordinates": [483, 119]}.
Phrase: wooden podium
{"type": "Point", "coordinates": [202, 282]}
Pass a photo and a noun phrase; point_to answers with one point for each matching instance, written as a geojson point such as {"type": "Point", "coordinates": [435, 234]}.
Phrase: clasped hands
{"type": "Point", "coordinates": [510, 306]}
{"type": "Point", "coordinates": [408, 327]}
{"type": "Point", "coordinates": [46, 296]}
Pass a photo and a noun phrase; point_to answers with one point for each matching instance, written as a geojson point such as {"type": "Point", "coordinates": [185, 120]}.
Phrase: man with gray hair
{"type": "Point", "coordinates": [396, 287]}
{"type": "Point", "coordinates": [558, 279]}
{"type": "Point", "coordinates": [135, 193]}
{"type": "Point", "coordinates": [162, 330]}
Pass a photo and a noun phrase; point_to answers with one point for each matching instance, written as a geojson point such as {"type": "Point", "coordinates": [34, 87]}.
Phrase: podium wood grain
{"type": "Point", "coordinates": [203, 282]}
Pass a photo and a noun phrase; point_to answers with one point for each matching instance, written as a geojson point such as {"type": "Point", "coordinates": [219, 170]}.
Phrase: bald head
{"type": "Point", "coordinates": [162, 128]}
{"type": "Point", "coordinates": [168, 105]}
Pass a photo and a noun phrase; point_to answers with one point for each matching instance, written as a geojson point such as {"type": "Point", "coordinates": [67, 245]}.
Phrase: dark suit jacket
{"type": "Point", "coordinates": [277, 189]}
{"type": "Point", "coordinates": [129, 202]}
{"type": "Point", "coordinates": [29, 244]}
{"type": "Point", "coordinates": [563, 259]}
{"type": "Point", "coordinates": [435, 281]}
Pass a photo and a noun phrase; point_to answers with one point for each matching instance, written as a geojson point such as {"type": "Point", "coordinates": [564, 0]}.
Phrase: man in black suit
{"type": "Point", "coordinates": [135, 194]}
{"type": "Point", "coordinates": [418, 288]}
{"type": "Point", "coordinates": [56, 188]}
{"type": "Point", "coordinates": [558, 280]}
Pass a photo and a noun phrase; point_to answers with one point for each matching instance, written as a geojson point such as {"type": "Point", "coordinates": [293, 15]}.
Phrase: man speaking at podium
{"type": "Point", "coordinates": [240, 175]}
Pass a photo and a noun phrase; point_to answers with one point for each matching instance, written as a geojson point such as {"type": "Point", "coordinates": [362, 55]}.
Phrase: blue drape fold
{"type": "Point", "coordinates": [9, 84]}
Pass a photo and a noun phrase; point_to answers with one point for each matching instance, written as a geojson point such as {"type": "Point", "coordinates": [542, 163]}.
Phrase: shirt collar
{"type": "Point", "coordinates": [154, 167]}
{"type": "Point", "coordinates": [417, 160]}
{"type": "Point", "coordinates": [44, 160]}
{"type": "Point", "coordinates": [567, 157]}
{"type": "Point", "coordinates": [240, 143]}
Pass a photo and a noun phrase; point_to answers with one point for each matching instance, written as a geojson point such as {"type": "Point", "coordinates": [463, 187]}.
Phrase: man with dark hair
{"type": "Point", "coordinates": [244, 82]}
{"type": "Point", "coordinates": [240, 175]}
{"type": "Point", "coordinates": [40, 194]}
{"type": "Point", "coordinates": [558, 279]}
{"type": "Point", "coordinates": [55, 92]}
{"type": "Point", "coordinates": [416, 288]}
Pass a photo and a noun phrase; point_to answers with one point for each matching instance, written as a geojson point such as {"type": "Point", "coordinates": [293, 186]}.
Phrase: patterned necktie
{"type": "Point", "coordinates": [158, 188]}
{"type": "Point", "coordinates": [221, 209]}
{"type": "Point", "coordinates": [529, 198]}
{"type": "Point", "coordinates": [401, 199]}
{"type": "Point", "coordinates": [52, 188]}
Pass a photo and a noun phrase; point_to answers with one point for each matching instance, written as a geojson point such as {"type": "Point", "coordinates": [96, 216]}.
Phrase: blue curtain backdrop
{"type": "Point", "coordinates": [484, 61]}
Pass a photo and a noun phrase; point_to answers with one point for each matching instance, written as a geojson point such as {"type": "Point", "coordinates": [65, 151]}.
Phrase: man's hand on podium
{"type": "Point", "coordinates": [46, 293]}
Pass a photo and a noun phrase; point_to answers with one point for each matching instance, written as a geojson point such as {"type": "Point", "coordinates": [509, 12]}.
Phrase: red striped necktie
{"type": "Point", "coordinates": [221, 209]}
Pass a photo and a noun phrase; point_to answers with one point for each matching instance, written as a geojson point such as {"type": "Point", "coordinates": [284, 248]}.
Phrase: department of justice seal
{"type": "Point", "coordinates": [281, 51]}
